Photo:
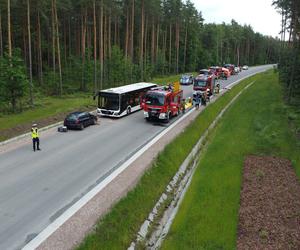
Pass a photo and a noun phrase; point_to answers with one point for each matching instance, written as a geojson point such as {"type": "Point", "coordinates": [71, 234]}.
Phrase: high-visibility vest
{"type": "Point", "coordinates": [34, 133]}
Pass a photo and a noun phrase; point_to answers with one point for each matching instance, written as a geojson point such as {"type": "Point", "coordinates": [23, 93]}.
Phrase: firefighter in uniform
{"type": "Point", "coordinates": [35, 137]}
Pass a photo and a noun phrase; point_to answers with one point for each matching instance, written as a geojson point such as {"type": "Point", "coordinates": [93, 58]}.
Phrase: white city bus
{"type": "Point", "coordinates": [120, 101]}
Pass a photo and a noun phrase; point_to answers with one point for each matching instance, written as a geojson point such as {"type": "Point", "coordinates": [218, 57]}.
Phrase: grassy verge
{"type": "Point", "coordinates": [119, 227]}
{"type": "Point", "coordinates": [256, 124]}
{"type": "Point", "coordinates": [46, 107]}
{"type": "Point", "coordinates": [167, 79]}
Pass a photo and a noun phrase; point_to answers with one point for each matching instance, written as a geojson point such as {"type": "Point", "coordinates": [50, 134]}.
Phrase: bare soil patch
{"type": "Point", "coordinates": [269, 215]}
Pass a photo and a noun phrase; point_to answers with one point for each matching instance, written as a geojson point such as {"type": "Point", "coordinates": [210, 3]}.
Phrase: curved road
{"type": "Point", "coordinates": [35, 188]}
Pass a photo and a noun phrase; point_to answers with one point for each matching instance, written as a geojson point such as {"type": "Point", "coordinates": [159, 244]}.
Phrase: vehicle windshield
{"type": "Point", "coordinates": [155, 99]}
{"type": "Point", "coordinates": [72, 117]}
{"type": "Point", "coordinates": [109, 101]}
{"type": "Point", "coordinates": [184, 79]}
{"type": "Point", "coordinates": [200, 83]}
{"type": "Point", "coordinates": [203, 72]}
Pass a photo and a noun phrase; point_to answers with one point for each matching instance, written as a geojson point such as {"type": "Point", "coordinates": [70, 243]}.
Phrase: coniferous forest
{"type": "Point", "coordinates": [57, 47]}
{"type": "Point", "coordinates": [289, 60]}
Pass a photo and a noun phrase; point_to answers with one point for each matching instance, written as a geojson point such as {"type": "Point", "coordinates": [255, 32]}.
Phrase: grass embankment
{"type": "Point", "coordinates": [256, 124]}
{"type": "Point", "coordinates": [45, 107]}
{"type": "Point", "coordinates": [119, 227]}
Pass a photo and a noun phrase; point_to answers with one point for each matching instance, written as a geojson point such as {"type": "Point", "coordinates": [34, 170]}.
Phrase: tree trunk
{"type": "Point", "coordinates": [53, 40]}
{"type": "Point", "coordinates": [1, 38]}
{"type": "Point", "coordinates": [95, 45]}
{"type": "Point", "coordinates": [70, 37]}
{"type": "Point", "coordinates": [153, 43]}
{"type": "Point", "coordinates": [145, 42]}
{"type": "Point", "coordinates": [185, 45]}
{"type": "Point", "coordinates": [101, 44]}
{"type": "Point", "coordinates": [157, 40]}
{"type": "Point", "coordinates": [109, 34]}
{"type": "Point", "coordinates": [127, 33]}
{"type": "Point", "coordinates": [164, 48]}
{"type": "Point", "coordinates": [177, 47]}
{"type": "Point", "coordinates": [65, 41]}
{"type": "Point", "coordinates": [170, 48]}
{"type": "Point", "coordinates": [58, 50]}
{"type": "Point", "coordinates": [238, 54]}
{"type": "Point", "coordinates": [9, 30]}
{"type": "Point", "coordinates": [29, 53]}
{"type": "Point", "coordinates": [132, 31]}
{"type": "Point", "coordinates": [40, 56]}
{"type": "Point", "coordinates": [142, 40]}
{"type": "Point", "coordinates": [83, 47]}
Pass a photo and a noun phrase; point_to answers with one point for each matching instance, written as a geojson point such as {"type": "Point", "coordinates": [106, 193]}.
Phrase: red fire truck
{"type": "Point", "coordinates": [162, 103]}
{"type": "Point", "coordinates": [203, 82]}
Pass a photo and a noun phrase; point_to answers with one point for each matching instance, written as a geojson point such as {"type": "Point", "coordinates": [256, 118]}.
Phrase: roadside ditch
{"type": "Point", "coordinates": [156, 226]}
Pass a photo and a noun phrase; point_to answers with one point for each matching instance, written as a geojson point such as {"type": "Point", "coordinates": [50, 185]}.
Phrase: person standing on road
{"type": "Point", "coordinates": [35, 137]}
{"type": "Point", "coordinates": [197, 101]}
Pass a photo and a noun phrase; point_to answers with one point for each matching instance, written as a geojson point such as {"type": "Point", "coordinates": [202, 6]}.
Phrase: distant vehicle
{"type": "Point", "coordinates": [230, 67]}
{"type": "Point", "coordinates": [237, 70]}
{"type": "Point", "coordinates": [216, 70]}
{"type": "Point", "coordinates": [245, 67]}
{"type": "Point", "coordinates": [162, 103]}
{"type": "Point", "coordinates": [121, 101]}
{"type": "Point", "coordinates": [186, 80]}
{"type": "Point", "coordinates": [80, 120]}
{"type": "Point", "coordinates": [204, 82]}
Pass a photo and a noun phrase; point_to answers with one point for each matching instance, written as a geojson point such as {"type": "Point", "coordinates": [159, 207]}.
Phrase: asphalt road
{"type": "Point", "coordinates": [36, 187]}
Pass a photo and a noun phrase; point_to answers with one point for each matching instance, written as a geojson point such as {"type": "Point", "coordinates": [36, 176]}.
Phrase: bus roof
{"type": "Point", "coordinates": [129, 88]}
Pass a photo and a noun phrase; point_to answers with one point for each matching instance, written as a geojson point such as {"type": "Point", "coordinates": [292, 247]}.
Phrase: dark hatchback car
{"type": "Point", "coordinates": [80, 120]}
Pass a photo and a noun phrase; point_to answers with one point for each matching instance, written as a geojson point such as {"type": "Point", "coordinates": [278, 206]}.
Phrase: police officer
{"type": "Point", "coordinates": [35, 137]}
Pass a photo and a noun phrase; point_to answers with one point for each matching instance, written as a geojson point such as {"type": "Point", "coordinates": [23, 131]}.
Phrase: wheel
{"type": "Point", "coordinates": [168, 118]}
{"type": "Point", "coordinates": [147, 119]}
{"type": "Point", "coordinates": [81, 126]}
{"type": "Point", "coordinates": [128, 110]}
{"type": "Point", "coordinates": [94, 121]}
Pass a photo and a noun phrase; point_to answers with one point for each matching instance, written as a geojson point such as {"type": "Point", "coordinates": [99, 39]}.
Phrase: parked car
{"type": "Point", "coordinates": [245, 67]}
{"type": "Point", "coordinates": [186, 80]}
{"type": "Point", "coordinates": [237, 70]}
{"type": "Point", "coordinates": [80, 120]}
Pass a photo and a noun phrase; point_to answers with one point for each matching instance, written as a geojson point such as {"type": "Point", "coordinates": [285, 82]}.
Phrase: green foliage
{"type": "Point", "coordinates": [289, 63]}
{"type": "Point", "coordinates": [13, 80]}
{"type": "Point", "coordinates": [175, 41]}
{"type": "Point", "coordinates": [212, 200]}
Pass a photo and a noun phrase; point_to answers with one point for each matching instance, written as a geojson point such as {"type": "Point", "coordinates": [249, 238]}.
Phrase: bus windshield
{"type": "Point", "coordinates": [155, 99]}
{"type": "Point", "coordinates": [200, 83]}
{"type": "Point", "coordinates": [109, 101]}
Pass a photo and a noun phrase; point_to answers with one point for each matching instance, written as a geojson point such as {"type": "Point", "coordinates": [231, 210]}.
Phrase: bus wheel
{"type": "Point", "coordinates": [128, 110]}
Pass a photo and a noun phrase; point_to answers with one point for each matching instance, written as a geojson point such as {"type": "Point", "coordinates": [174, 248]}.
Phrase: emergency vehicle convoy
{"type": "Point", "coordinates": [162, 103]}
